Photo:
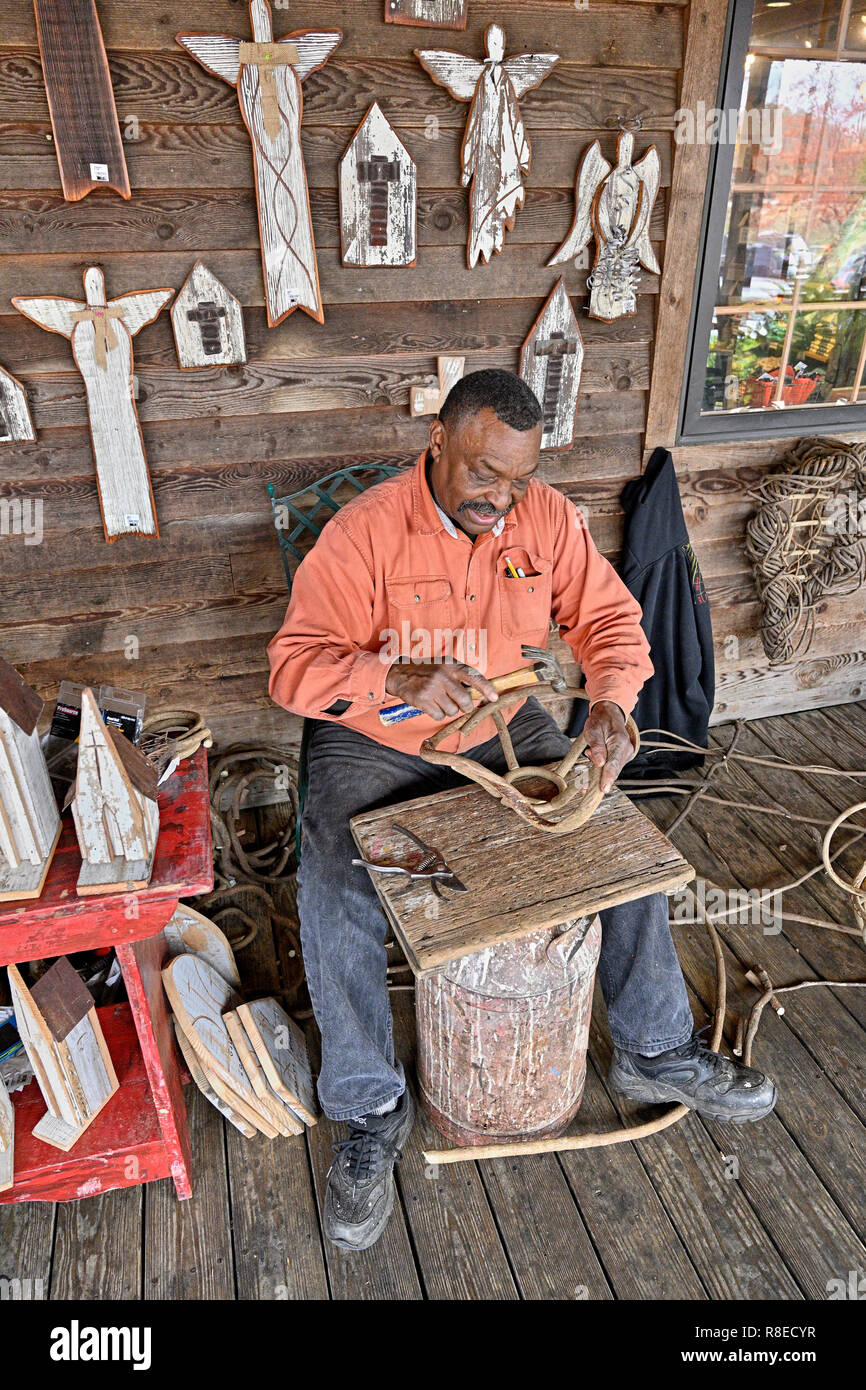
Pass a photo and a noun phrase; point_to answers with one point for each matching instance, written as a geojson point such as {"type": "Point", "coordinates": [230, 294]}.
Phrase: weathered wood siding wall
{"type": "Point", "coordinates": [197, 607]}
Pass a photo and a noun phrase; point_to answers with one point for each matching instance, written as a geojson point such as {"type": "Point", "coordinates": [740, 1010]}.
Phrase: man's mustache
{"type": "Point", "coordinates": [483, 508]}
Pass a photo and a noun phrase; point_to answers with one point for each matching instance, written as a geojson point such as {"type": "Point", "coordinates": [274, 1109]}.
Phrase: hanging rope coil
{"type": "Point", "coordinates": [799, 551]}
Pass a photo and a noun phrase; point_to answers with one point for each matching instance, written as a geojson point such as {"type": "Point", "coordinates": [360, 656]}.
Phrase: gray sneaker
{"type": "Point", "coordinates": [692, 1075]}
{"type": "Point", "coordinates": [360, 1192]}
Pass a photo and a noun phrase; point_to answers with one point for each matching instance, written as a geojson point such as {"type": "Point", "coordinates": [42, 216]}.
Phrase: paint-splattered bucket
{"type": "Point", "coordinates": [502, 1036]}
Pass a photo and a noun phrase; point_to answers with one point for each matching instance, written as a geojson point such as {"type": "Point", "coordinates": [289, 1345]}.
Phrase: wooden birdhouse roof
{"type": "Point", "coordinates": [139, 769]}
{"type": "Point", "coordinates": [62, 998]}
{"type": "Point", "coordinates": [19, 699]}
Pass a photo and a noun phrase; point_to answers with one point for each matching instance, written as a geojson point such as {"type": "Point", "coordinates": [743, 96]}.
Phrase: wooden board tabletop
{"type": "Point", "coordinates": [519, 879]}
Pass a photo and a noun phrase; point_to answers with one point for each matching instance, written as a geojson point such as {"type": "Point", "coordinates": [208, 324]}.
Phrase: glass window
{"type": "Point", "coordinates": [781, 319]}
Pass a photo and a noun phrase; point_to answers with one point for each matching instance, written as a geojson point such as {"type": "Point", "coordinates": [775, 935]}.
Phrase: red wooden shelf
{"type": "Point", "coordinates": [122, 1146]}
{"type": "Point", "coordinates": [142, 1133]}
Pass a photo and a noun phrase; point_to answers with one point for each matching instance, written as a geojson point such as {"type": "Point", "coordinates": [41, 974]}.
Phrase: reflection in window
{"type": "Point", "coordinates": [789, 326]}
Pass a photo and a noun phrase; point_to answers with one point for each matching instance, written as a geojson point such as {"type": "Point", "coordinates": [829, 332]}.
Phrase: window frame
{"type": "Point", "coordinates": [695, 427]}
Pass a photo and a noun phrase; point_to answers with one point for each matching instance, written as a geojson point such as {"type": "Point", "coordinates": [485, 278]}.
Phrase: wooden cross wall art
{"type": "Point", "coordinates": [268, 74]}
{"type": "Point", "coordinates": [80, 99]}
{"type": "Point", "coordinates": [551, 362]}
{"type": "Point", "coordinates": [427, 400]}
{"type": "Point", "coordinates": [207, 322]}
{"type": "Point", "coordinates": [430, 14]}
{"type": "Point", "coordinates": [614, 204]}
{"type": "Point", "coordinates": [101, 333]}
{"type": "Point", "coordinates": [16, 422]}
{"type": "Point", "coordinates": [377, 196]}
{"type": "Point", "coordinates": [114, 807]}
{"type": "Point", "coordinates": [495, 154]}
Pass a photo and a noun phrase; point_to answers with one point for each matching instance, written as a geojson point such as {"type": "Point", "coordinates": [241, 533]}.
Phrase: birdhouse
{"type": "Point", "coordinates": [114, 807]}
{"type": "Point", "coordinates": [29, 820]}
{"type": "Point", "coordinates": [551, 362]}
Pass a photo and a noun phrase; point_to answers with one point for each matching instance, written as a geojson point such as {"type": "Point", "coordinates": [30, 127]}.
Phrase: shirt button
{"type": "Point", "coordinates": [530, 590]}
{"type": "Point", "coordinates": [471, 598]}
{"type": "Point", "coordinates": [372, 696]}
{"type": "Point", "coordinates": [417, 598]}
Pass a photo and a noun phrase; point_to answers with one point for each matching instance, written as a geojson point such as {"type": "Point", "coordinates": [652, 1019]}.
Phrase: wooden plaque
{"type": "Point", "coordinates": [519, 879]}
{"type": "Point", "coordinates": [377, 196]}
{"type": "Point", "coordinates": [80, 99]}
{"type": "Point", "coordinates": [428, 14]}
{"type": "Point", "coordinates": [268, 74]}
{"type": "Point", "coordinates": [495, 154]}
{"type": "Point", "coordinates": [16, 422]}
{"type": "Point", "coordinates": [551, 362]}
{"type": "Point", "coordinates": [207, 322]}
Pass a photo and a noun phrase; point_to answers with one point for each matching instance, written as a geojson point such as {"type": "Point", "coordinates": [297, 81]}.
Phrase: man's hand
{"type": "Point", "coordinates": [608, 744]}
{"type": "Point", "coordinates": [438, 688]}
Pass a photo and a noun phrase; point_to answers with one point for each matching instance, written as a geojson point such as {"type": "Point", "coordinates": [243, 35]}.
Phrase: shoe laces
{"type": "Point", "coordinates": [364, 1154]}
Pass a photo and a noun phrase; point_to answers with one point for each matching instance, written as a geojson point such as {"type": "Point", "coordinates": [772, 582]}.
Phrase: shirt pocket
{"type": "Point", "coordinates": [418, 604]}
{"type": "Point", "coordinates": [524, 603]}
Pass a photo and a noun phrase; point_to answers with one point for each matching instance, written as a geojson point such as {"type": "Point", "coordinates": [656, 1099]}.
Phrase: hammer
{"type": "Point", "coordinates": [544, 670]}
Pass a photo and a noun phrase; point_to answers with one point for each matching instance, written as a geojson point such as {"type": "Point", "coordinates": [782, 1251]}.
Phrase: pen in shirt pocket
{"type": "Point", "coordinates": [514, 573]}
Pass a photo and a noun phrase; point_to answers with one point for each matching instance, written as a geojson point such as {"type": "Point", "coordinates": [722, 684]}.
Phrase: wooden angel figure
{"type": "Point", "coordinates": [268, 74]}
{"type": "Point", "coordinates": [101, 333]}
{"type": "Point", "coordinates": [495, 154]}
{"type": "Point", "coordinates": [614, 205]}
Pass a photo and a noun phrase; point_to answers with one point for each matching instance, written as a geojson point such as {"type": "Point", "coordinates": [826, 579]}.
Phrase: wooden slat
{"type": "Point", "coordinates": [97, 1250]}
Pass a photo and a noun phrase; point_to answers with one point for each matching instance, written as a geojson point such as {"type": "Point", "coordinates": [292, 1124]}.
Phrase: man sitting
{"type": "Point", "coordinates": [467, 547]}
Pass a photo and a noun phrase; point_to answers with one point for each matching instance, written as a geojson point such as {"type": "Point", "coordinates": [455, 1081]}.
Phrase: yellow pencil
{"type": "Point", "coordinates": [511, 570]}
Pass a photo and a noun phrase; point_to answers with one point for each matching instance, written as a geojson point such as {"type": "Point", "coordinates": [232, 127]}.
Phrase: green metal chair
{"type": "Point", "coordinates": [299, 520]}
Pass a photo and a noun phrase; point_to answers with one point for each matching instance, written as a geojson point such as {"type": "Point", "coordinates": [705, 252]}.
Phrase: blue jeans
{"type": "Point", "coordinates": [343, 927]}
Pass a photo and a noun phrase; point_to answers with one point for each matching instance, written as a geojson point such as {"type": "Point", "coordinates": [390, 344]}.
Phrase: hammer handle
{"type": "Point", "coordinates": [526, 675]}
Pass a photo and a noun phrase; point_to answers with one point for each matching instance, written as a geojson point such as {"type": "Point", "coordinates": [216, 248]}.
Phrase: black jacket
{"type": "Point", "coordinates": [661, 570]}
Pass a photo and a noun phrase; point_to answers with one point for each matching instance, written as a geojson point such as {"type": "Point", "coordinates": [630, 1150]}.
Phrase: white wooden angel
{"type": "Point", "coordinates": [614, 204]}
{"type": "Point", "coordinates": [101, 333]}
{"type": "Point", "coordinates": [268, 74]}
{"type": "Point", "coordinates": [495, 154]}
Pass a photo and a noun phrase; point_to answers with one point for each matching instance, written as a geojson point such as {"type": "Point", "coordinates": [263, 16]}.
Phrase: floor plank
{"type": "Point", "coordinates": [26, 1241]}
{"type": "Point", "coordinates": [97, 1250]}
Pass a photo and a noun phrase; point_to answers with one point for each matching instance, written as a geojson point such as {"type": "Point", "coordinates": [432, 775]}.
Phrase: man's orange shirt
{"type": "Point", "coordinates": [391, 576]}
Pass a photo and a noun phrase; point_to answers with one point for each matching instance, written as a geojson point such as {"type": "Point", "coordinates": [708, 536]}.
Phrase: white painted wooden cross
{"type": "Point", "coordinates": [496, 153]}
{"type": "Point", "coordinates": [268, 74]}
{"type": "Point", "coordinates": [101, 334]}
{"type": "Point", "coordinates": [614, 205]}
{"type": "Point", "coordinates": [16, 423]}
{"type": "Point", "coordinates": [551, 362]}
{"type": "Point", "coordinates": [428, 400]}
{"type": "Point", "coordinates": [377, 196]}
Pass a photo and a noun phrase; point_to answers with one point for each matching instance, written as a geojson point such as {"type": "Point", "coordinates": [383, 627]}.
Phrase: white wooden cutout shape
{"type": "Point", "coordinates": [289, 1123]}
{"type": "Point", "coordinates": [281, 1048]}
{"type": "Point", "coordinates": [199, 997]}
{"type": "Point", "coordinates": [117, 823]}
{"type": "Point", "coordinates": [101, 334]}
{"type": "Point", "coordinates": [551, 362]}
{"type": "Point", "coordinates": [75, 1073]}
{"type": "Point", "coordinates": [194, 1068]}
{"type": "Point", "coordinates": [16, 422]}
{"type": "Point", "coordinates": [268, 74]}
{"type": "Point", "coordinates": [427, 400]}
{"type": "Point", "coordinates": [207, 322]}
{"type": "Point", "coordinates": [7, 1139]}
{"type": "Point", "coordinates": [430, 14]}
{"type": "Point", "coordinates": [377, 196]}
{"type": "Point", "coordinates": [29, 819]}
{"type": "Point", "coordinates": [495, 154]}
{"type": "Point", "coordinates": [188, 932]}
{"type": "Point", "coordinates": [614, 205]}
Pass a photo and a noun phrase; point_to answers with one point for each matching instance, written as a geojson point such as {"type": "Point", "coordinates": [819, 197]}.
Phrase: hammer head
{"type": "Point", "coordinates": [547, 668]}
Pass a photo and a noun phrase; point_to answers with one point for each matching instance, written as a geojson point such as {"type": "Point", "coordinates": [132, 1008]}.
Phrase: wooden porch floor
{"type": "Point", "coordinates": [767, 1211]}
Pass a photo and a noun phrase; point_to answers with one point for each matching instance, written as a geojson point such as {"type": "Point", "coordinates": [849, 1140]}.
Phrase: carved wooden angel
{"type": "Point", "coordinates": [101, 334]}
{"type": "Point", "coordinates": [268, 74]}
{"type": "Point", "coordinates": [614, 205]}
{"type": "Point", "coordinates": [495, 154]}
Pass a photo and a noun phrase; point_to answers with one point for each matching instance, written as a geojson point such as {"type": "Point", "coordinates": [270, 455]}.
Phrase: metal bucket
{"type": "Point", "coordinates": [502, 1036]}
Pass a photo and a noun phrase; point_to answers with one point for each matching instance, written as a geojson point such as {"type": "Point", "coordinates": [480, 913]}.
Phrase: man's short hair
{"type": "Point", "coordinates": [507, 395]}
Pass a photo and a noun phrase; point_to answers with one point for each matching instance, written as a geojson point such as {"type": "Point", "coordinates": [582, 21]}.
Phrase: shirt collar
{"type": "Point", "coordinates": [429, 516]}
